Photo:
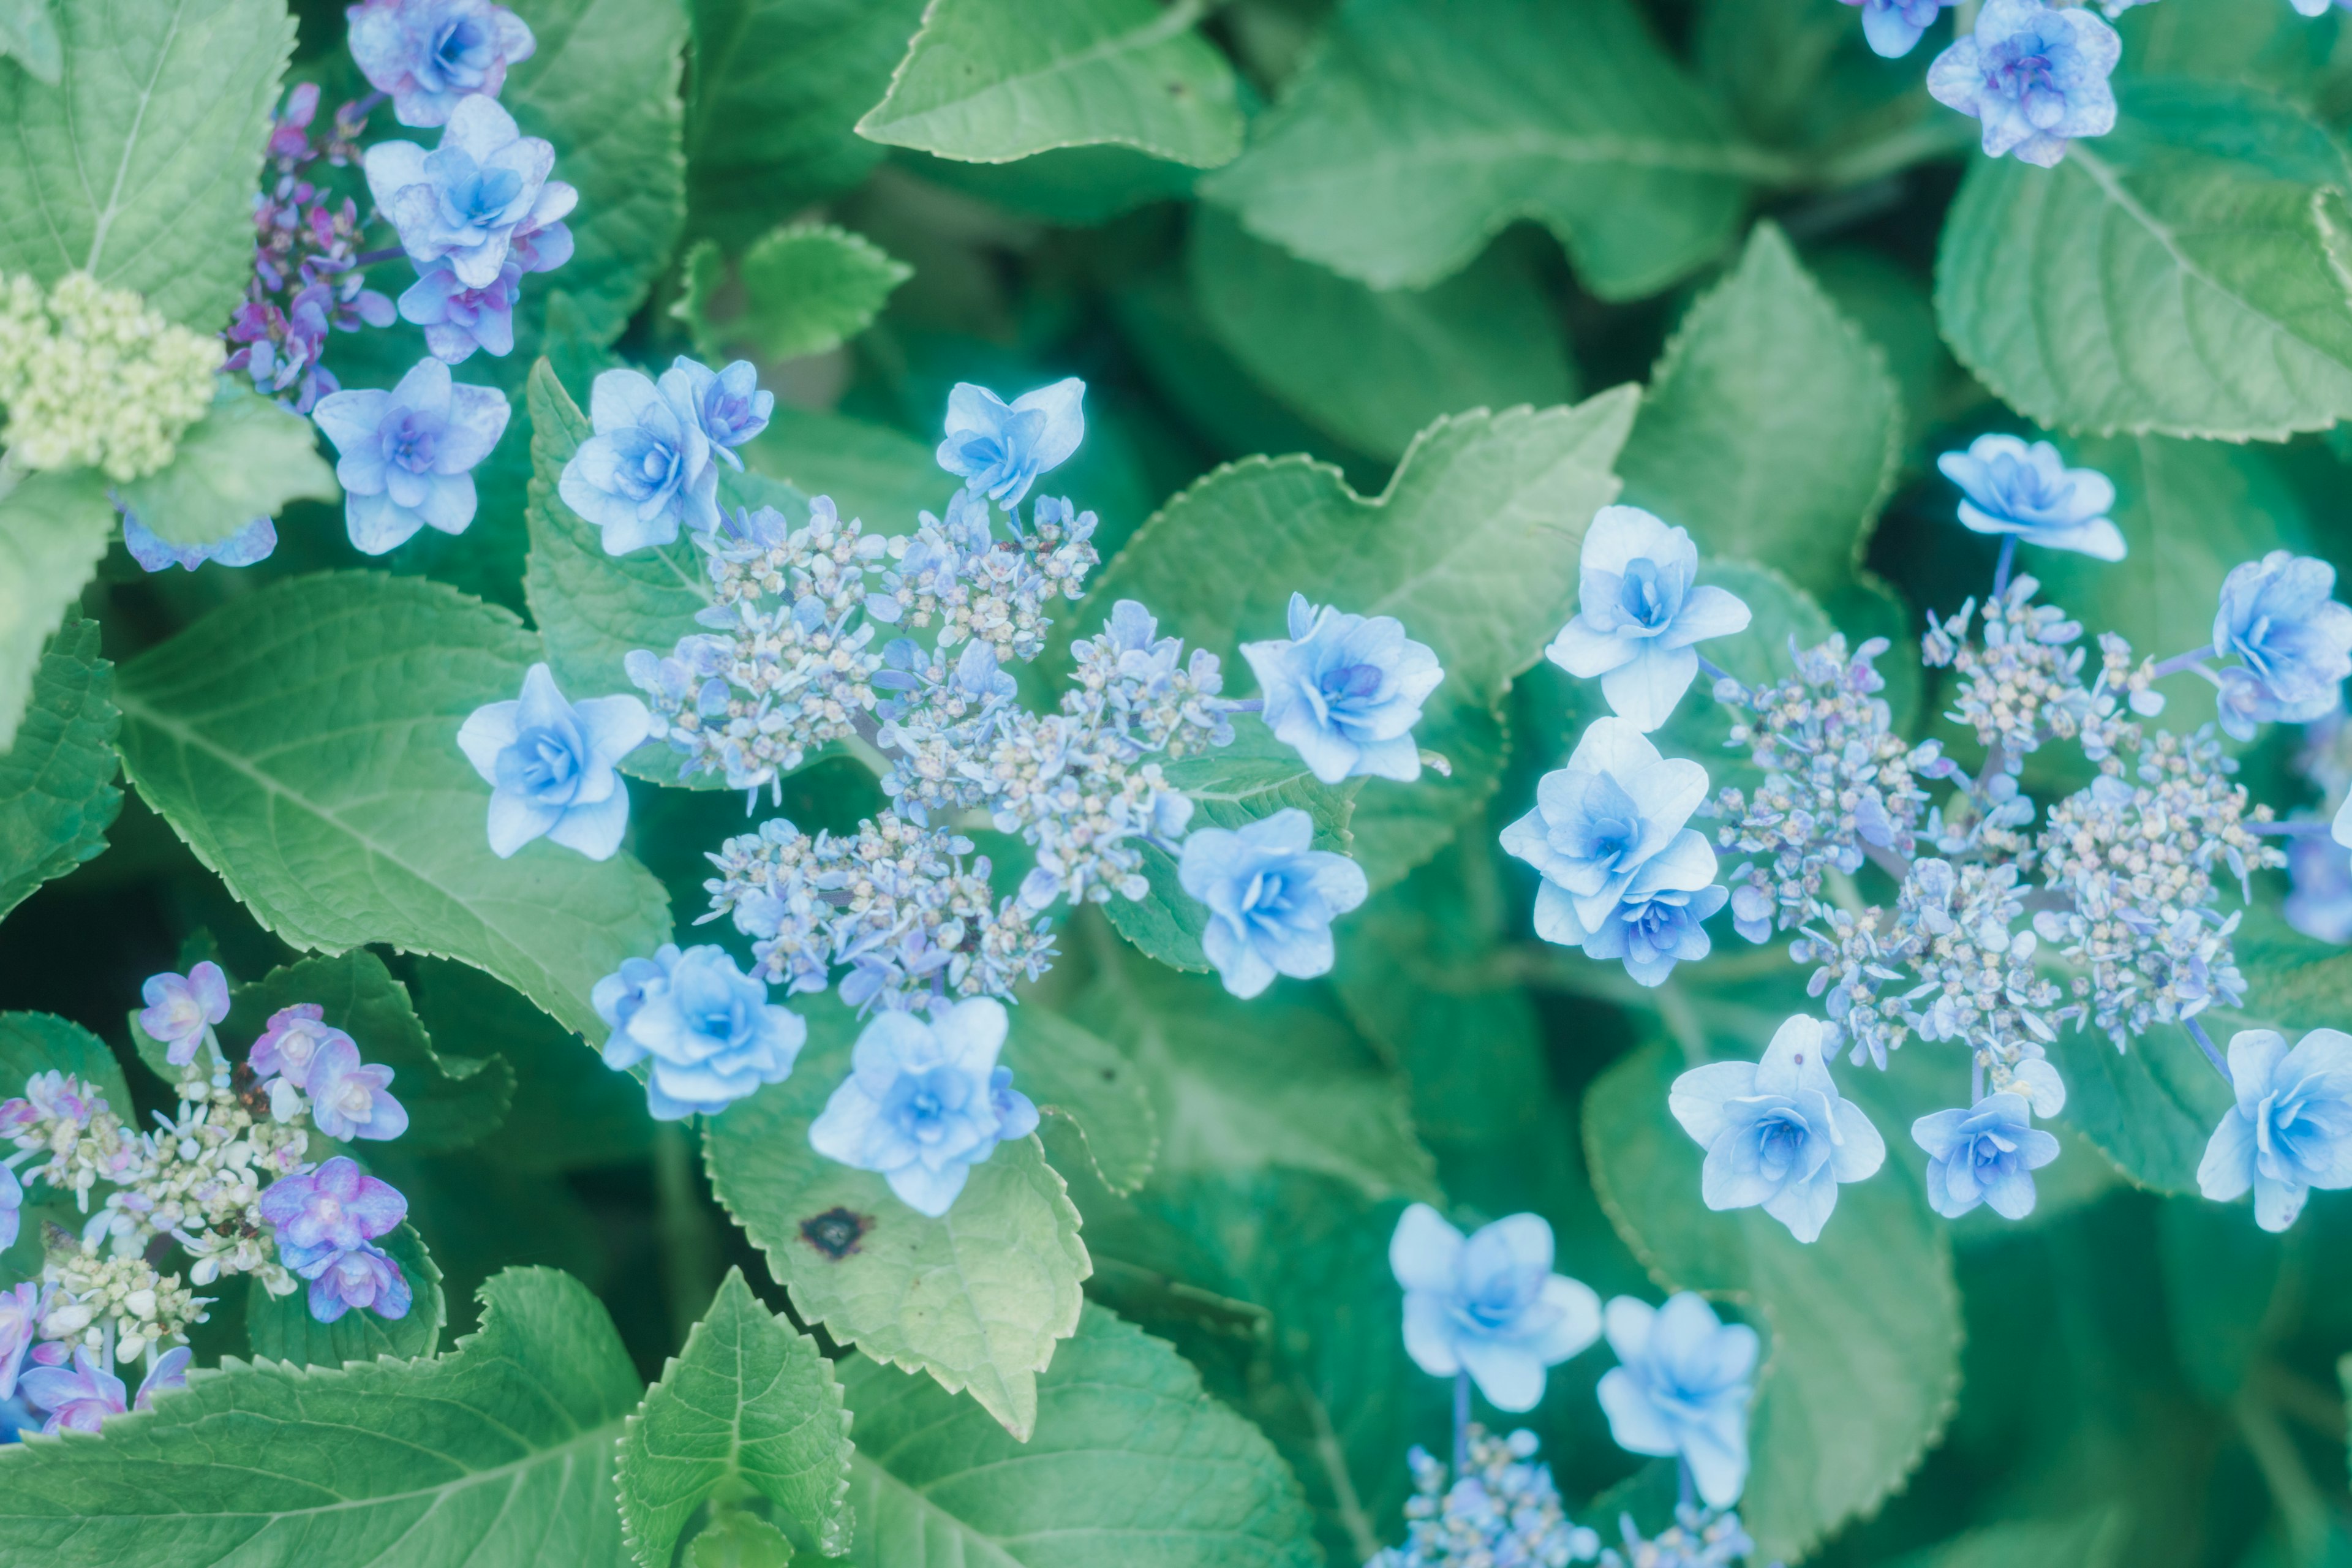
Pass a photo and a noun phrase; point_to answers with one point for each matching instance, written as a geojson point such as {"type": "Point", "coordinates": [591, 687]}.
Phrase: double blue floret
{"type": "Point", "coordinates": [2036, 77]}
{"type": "Point", "coordinates": [1344, 691]}
{"type": "Point", "coordinates": [1640, 609]}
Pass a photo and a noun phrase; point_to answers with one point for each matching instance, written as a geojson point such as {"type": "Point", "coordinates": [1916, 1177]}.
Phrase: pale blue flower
{"type": "Point", "coordinates": [1984, 1155]}
{"type": "Point", "coordinates": [727, 405]}
{"type": "Point", "coordinates": [2291, 1129]}
{"type": "Point", "coordinates": [550, 765]}
{"type": "Point", "coordinates": [711, 1033]}
{"type": "Point", "coordinates": [153, 553]}
{"type": "Point", "coordinates": [457, 319]}
{"type": "Point", "coordinates": [1681, 1387]}
{"type": "Point", "coordinates": [1607, 833]}
{"type": "Point", "coordinates": [2292, 640]}
{"type": "Point", "coordinates": [647, 467]}
{"type": "Point", "coordinates": [1001, 447]}
{"type": "Point", "coordinates": [1271, 898]}
{"type": "Point", "coordinates": [1776, 1131]}
{"type": "Point", "coordinates": [2320, 903]}
{"type": "Point", "coordinates": [1640, 609]}
{"type": "Point", "coordinates": [182, 1010]}
{"type": "Point", "coordinates": [2035, 76]}
{"type": "Point", "coordinates": [1895, 27]}
{"type": "Point", "coordinates": [1490, 1304]}
{"type": "Point", "coordinates": [1344, 691]}
{"type": "Point", "coordinates": [2029, 492]}
{"type": "Point", "coordinates": [12, 1218]}
{"type": "Point", "coordinates": [408, 454]}
{"type": "Point", "coordinates": [468, 199]}
{"type": "Point", "coordinates": [430, 54]}
{"type": "Point", "coordinates": [925, 1102]}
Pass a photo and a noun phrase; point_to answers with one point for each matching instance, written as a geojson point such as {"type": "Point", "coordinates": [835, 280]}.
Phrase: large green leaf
{"type": "Point", "coordinates": [775, 88]}
{"type": "Point", "coordinates": [53, 529]}
{"type": "Point", "coordinates": [2094, 1539]}
{"type": "Point", "coordinates": [2183, 275]}
{"type": "Point", "coordinates": [800, 290]}
{"type": "Point", "coordinates": [302, 740]}
{"type": "Point", "coordinates": [500, 1452]}
{"type": "Point", "coordinates": [1076, 1075]}
{"type": "Point", "coordinates": [57, 782]}
{"type": "Point", "coordinates": [1419, 131]}
{"type": "Point", "coordinates": [1872, 1305]}
{"type": "Point", "coordinates": [873, 472]}
{"type": "Point", "coordinates": [988, 81]}
{"type": "Point", "coordinates": [1076, 187]}
{"type": "Point", "coordinates": [1473, 546]}
{"type": "Point", "coordinates": [976, 1298]}
{"type": "Point", "coordinates": [28, 34]}
{"type": "Point", "coordinates": [138, 167]}
{"type": "Point", "coordinates": [602, 86]}
{"type": "Point", "coordinates": [1132, 1463]}
{"type": "Point", "coordinates": [1771, 429]}
{"type": "Point", "coordinates": [246, 459]}
{"type": "Point", "coordinates": [1371, 368]}
{"type": "Point", "coordinates": [282, 1327]}
{"type": "Point", "coordinates": [749, 1405]}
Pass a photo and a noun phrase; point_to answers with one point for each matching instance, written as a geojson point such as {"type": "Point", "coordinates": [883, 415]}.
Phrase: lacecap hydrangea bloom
{"type": "Point", "coordinates": [2027, 491]}
{"type": "Point", "coordinates": [1271, 897]}
{"type": "Point", "coordinates": [429, 55]}
{"type": "Point", "coordinates": [2034, 75]}
{"type": "Point", "coordinates": [1001, 447]}
{"type": "Point", "coordinates": [552, 765]}
{"type": "Point", "coordinates": [466, 202]}
{"type": "Point", "coordinates": [925, 1102]}
{"type": "Point", "coordinates": [649, 469]}
{"type": "Point", "coordinates": [1985, 1154]}
{"type": "Point", "coordinates": [1490, 1304]}
{"type": "Point", "coordinates": [2291, 1129]}
{"type": "Point", "coordinates": [408, 454]}
{"type": "Point", "coordinates": [1681, 1387]}
{"type": "Point", "coordinates": [1776, 1131]}
{"type": "Point", "coordinates": [1503, 1511]}
{"type": "Point", "coordinates": [1639, 610]}
{"type": "Point", "coordinates": [708, 1029]}
{"type": "Point", "coordinates": [1344, 691]}
{"type": "Point", "coordinates": [92, 377]}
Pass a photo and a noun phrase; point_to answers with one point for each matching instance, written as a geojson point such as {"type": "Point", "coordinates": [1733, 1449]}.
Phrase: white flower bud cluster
{"type": "Point", "coordinates": [92, 377]}
{"type": "Point", "coordinates": [1503, 1512]}
{"type": "Point", "coordinates": [1697, 1538]}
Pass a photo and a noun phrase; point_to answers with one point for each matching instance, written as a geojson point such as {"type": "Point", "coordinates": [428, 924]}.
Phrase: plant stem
{"type": "Point", "coordinates": [2001, 568]}
{"type": "Point", "coordinates": [690, 1242]}
{"type": "Point", "coordinates": [1461, 1424]}
{"type": "Point", "coordinates": [2205, 1042]}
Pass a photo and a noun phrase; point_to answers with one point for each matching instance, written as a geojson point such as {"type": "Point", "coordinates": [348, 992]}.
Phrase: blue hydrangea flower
{"type": "Point", "coordinates": [2034, 76]}
{"type": "Point", "coordinates": [925, 1102]}
{"type": "Point", "coordinates": [2320, 903]}
{"type": "Point", "coordinates": [1776, 1131]}
{"type": "Point", "coordinates": [708, 1028]}
{"type": "Point", "coordinates": [2010, 488]}
{"type": "Point", "coordinates": [12, 1218]}
{"type": "Point", "coordinates": [647, 468]}
{"type": "Point", "coordinates": [408, 454]}
{"type": "Point", "coordinates": [352, 1099]}
{"type": "Point", "coordinates": [728, 407]}
{"type": "Point", "coordinates": [153, 553]}
{"type": "Point", "coordinates": [1895, 27]}
{"type": "Point", "coordinates": [1623, 877]}
{"type": "Point", "coordinates": [1344, 691]}
{"type": "Point", "coordinates": [2291, 1129]}
{"type": "Point", "coordinates": [430, 54]}
{"type": "Point", "coordinates": [1490, 1304]}
{"type": "Point", "coordinates": [468, 199]}
{"type": "Point", "coordinates": [1271, 898]}
{"type": "Point", "coordinates": [2293, 641]}
{"type": "Point", "coordinates": [1001, 447]}
{"type": "Point", "coordinates": [182, 1010]}
{"type": "Point", "coordinates": [459, 318]}
{"type": "Point", "coordinates": [1640, 609]}
{"type": "Point", "coordinates": [1984, 1155]}
{"type": "Point", "coordinates": [20, 1325]}
{"type": "Point", "coordinates": [363, 1277]}
{"type": "Point", "coordinates": [78, 1398]}
{"type": "Point", "coordinates": [550, 765]}
{"type": "Point", "coordinates": [1681, 1385]}
{"type": "Point", "coordinates": [329, 1210]}
{"type": "Point", "coordinates": [1503, 1511]}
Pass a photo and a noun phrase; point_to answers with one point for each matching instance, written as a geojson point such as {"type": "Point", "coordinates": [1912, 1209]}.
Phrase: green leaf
{"type": "Point", "coordinates": [602, 86]}
{"type": "Point", "coordinates": [739, 1541]}
{"type": "Point", "coordinates": [871, 471]}
{"type": "Point", "coordinates": [246, 457]}
{"type": "Point", "coordinates": [53, 529]}
{"type": "Point", "coordinates": [1371, 368]}
{"type": "Point", "coordinates": [1419, 130]}
{"type": "Point", "coordinates": [2185, 275]}
{"type": "Point", "coordinates": [775, 89]}
{"type": "Point", "coordinates": [1473, 546]}
{"type": "Point", "coordinates": [500, 1451]}
{"type": "Point", "coordinates": [1230, 786]}
{"type": "Point", "coordinates": [748, 1405]}
{"type": "Point", "coordinates": [283, 1329]}
{"type": "Point", "coordinates": [2094, 1539]}
{"type": "Point", "coordinates": [1077, 188]}
{"type": "Point", "coordinates": [976, 1298]}
{"type": "Point", "coordinates": [57, 783]}
{"type": "Point", "coordinates": [802, 289]}
{"type": "Point", "coordinates": [1872, 1305]}
{"type": "Point", "coordinates": [1077, 1076]}
{"type": "Point", "coordinates": [139, 166]}
{"type": "Point", "coordinates": [1132, 1463]}
{"type": "Point", "coordinates": [988, 81]}
{"type": "Point", "coordinates": [453, 1103]}
{"type": "Point", "coordinates": [2151, 1110]}
{"type": "Point", "coordinates": [302, 740]}
{"type": "Point", "coordinates": [28, 34]}
{"type": "Point", "coordinates": [1771, 429]}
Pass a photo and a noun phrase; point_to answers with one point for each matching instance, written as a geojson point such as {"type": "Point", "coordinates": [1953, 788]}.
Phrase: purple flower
{"type": "Point", "coordinates": [165, 1372]}
{"type": "Point", "coordinates": [20, 1323]}
{"type": "Point", "coordinates": [408, 454]}
{"type": "Point", "coordinates": [248, 544]}
{"type": "Point", "coordinates": [291, 1041]}
{"type": "Point", "coordinates": [349, 1099]}
{"type": "Point", "coordinates": [468, 198]}
{"type": "Point", "coordinates": [49, 1096]}
{"type": "Point", "coordinates": [78, 1398]}
{"type": "Point", "coordinates": [2034, 76]}
{"type": "Point", "coordinates": [1894, 26]}
{"type": "Point", "coordinates": [12, 1217]}
{"type": "Point", "coordinates": [728, 403]}
{"type": "Point", "coordinates": [430, 54]}
{"type": "Point", "coordinates": [363, 1277]}
{"type": "Point", "coordinates": [331, 1209]}
{"type": "Point", "coordinates": [457, 320]}
{"type": "Point", "coordinates": [182, 1010]}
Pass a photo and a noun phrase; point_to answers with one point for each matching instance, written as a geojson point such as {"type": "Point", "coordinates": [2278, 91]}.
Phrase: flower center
{"type": "Point", "coordinates": [462, 51]}
{"type": "Point", "coordinates": [1642, 598]}
{"type": "Point", "coordinates": [409, 441]}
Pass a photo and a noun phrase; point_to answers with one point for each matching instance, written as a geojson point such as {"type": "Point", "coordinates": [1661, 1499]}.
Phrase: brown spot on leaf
{"type": "Point", "coordinates": [837, 1232]}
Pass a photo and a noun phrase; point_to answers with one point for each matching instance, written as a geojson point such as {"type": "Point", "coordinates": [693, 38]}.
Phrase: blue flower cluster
{"type": "Point", "coordinates": [2034, 75]}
